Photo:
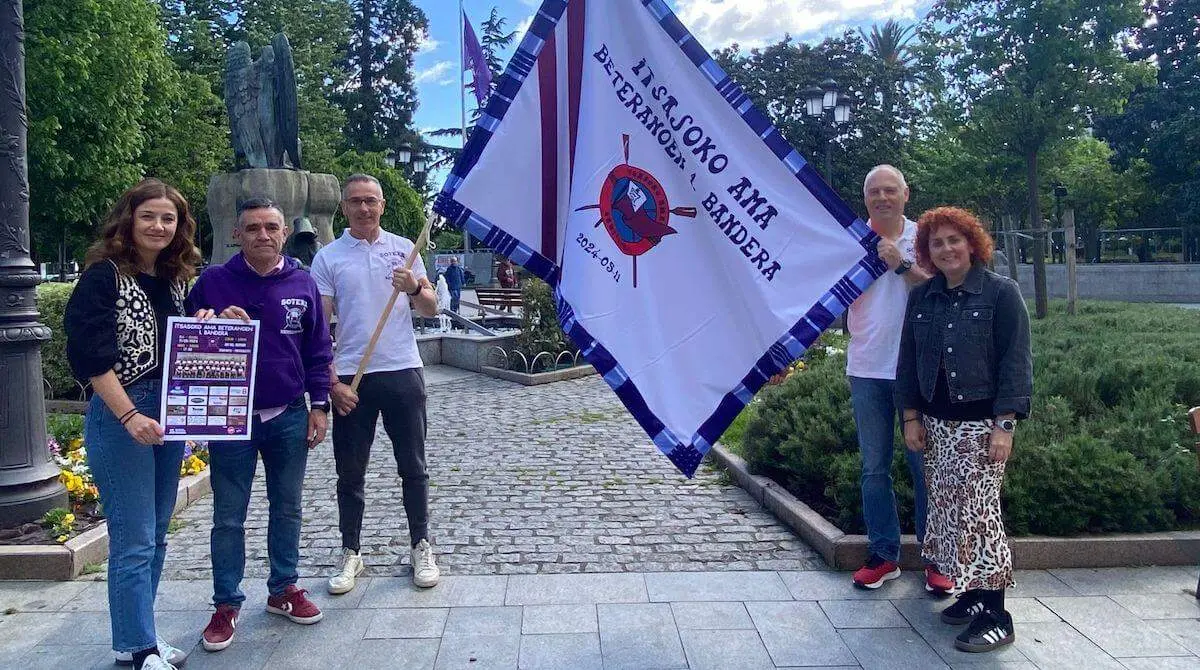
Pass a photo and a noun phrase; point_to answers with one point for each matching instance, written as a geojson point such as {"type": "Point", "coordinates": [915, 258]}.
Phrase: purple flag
{"type": "Point", "coordinates": [474, 61]}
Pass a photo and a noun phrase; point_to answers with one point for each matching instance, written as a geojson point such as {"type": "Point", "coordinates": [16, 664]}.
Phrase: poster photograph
{"type": "Point", "coordinates": [208, 381]}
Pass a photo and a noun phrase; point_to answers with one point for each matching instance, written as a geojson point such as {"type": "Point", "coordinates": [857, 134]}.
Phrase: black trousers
{"type": "Point", "coordinates": [400, 397]}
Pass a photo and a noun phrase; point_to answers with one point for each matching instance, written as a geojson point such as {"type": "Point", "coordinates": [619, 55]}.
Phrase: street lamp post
{"type": "Point", "coordinates": [29, 485]}
{"type": "Point", "coordinates": [823, 100]}
{"type": "Point", "coordinates": [1060, 192]}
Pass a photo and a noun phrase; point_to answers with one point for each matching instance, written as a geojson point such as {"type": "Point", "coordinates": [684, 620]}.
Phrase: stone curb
{"type": "Point", "coordinates": [541, 377]}
{"type": "Point", "coordinates": [66, 561]}
{"type": "Point", "coordinates": [847, 552]}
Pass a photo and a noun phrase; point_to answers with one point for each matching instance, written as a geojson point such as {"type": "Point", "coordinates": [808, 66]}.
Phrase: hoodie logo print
{"type": "Point", "coordinates": [293, 311]}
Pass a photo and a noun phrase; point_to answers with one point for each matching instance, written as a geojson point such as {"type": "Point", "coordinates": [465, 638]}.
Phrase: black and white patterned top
{"type": "Point", "coordinates": [118, 322]}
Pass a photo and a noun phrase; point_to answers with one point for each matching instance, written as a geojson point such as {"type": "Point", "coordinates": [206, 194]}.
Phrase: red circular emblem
{"type": "Point", "coordinates": [634, 207]}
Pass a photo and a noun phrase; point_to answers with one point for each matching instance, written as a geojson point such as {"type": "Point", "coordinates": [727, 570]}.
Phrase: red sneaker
{"type": "Point", "coordinates": [294, 604]}
{"type": "Point", "coordinates": [219, 632]}
{"type": "Point", "coordinates": [936, 582]}
{"type": "Point", "coordinates": [875, 573]}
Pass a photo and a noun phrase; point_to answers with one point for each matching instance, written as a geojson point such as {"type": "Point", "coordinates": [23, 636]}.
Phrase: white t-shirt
{"type": "Point", "coordinates": [877, 317]}
{"type": "Point", "coordinates": [358, 276]}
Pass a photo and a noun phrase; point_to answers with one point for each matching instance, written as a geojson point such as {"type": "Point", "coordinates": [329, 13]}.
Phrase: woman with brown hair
{"type": "Point", "coordinates": [135, 277]}
{"type": "Point", "coordinates": [965, 377]}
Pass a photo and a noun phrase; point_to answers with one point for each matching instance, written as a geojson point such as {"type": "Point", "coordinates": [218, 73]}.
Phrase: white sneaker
{"type": "Point", "coordinates": [349, 567]}
{"type": "Point", "coordinates": [425, 570]}
{"type": "Point", "coordinates": [155, 662]}
{"type": "Point", "coordinates": [172, 655]}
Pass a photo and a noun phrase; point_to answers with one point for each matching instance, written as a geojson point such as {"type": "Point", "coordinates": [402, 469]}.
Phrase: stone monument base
{"type": "Point", "coordinates": [298, 193]}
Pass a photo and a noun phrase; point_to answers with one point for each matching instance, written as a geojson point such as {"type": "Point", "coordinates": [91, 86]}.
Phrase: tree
{"type": "Point", "coordinates": [197, 33]}
{"type": "Point", "coordinates": [895, 64]}
{"type": "Point", "coordinates": [380, 97]}
{"type": "Point", "coordinates": [1103, 197]}
{"type": "Point", "coordinates": [92, 71]}
{"type": "Point", "coordinates": [493, 42]}
{"type": "Point", "coordinates": [1031, 73]}
{"type": "Point", "coordinates": [189, 141]}
{"type": "Point", "coordinates": [404, 213]}
{"type": "Point", "coordinates": [943, 167]}
{"type": "Point", "coordinates": [1161, 123]}
{"type": "Point", "coordinates": [775, 78]}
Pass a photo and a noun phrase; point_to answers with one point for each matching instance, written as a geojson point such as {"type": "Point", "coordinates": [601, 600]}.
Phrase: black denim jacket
{"type": "Point", "coordinates": [981, 332]}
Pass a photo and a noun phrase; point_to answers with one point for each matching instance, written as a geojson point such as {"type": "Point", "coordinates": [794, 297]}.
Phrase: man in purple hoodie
{"type": "Point", "coordinates": [294, 354]}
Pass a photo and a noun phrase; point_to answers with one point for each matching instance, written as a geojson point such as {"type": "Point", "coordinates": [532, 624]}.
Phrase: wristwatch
{"type": "Point", "coordinates": [323, 406]}
{"type": "Point", "coordinates": [904, 266]}
{"type": "Point", "coordinates": [1007, 425]}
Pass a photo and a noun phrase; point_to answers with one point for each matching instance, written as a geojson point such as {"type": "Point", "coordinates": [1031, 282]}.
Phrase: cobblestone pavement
{"type": "Point", "coordinates": [546, 479]}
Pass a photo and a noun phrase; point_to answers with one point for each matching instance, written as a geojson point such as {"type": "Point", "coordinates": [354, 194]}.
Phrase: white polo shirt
{"type": "Point", "coordinates": [877, 317]}
{"type": "Point", "coordinates": [358, 276]}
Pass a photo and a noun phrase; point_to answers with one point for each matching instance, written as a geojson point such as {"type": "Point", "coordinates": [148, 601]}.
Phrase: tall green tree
{"type": "Point", "coordinates": [776, 76]}
{"type": "Point", "coordinates": [895, 64]}
{"type": "Point", "coordinates": [379, 98]}
{"type": "Point", "coordinates": [1103, 197]}
{"type": "Point", "coordinates": [93, 71]}
{"type": "Point", "coordinates": [494, 41]}
{"type": "Point", "coordinates": [404, 213]}
{"type": "Point", "coordinates": [1031, 73]}
{"type": "Point", "coordinates": [188, 141]}
{"type": "Point", "coordinates": [1161, 123]}
{"type": "Point", "coordinates": [197, 33]}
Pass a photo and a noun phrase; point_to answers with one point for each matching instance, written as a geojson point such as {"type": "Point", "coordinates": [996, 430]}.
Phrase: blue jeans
{"type": "Point", "coordinates": [137, 492]}
{"type": "Point", "coordinates": [455, 296]}
{"type": "Point", "coordinates": [874, 417]}
{"type": "Point", "coordinates": [283, 444]}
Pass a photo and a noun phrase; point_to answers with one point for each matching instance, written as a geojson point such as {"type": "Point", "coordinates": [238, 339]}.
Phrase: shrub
{"type": "Point", "coordinates": [52, 302]}
{"type": "Point", "coordinates": [1107, 447]}
{"type": "Point", "coordinates": [540, 331]}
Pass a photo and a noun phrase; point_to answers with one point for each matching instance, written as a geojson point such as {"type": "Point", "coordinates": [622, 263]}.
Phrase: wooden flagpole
{"type": "Point", "coordinates": [422, 241]}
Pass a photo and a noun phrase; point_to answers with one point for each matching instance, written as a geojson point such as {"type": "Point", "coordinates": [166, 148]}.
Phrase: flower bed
{"type": "Point", "coordinates": [69, 453]}
{"type": "Point", "coordinates": [1107, 448]}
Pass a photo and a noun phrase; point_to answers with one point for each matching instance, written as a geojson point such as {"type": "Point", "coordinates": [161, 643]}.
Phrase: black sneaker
{"type": "Point", "coordinates": [987, 632]}
{"type": "Point", "coordinates": [968, 606]}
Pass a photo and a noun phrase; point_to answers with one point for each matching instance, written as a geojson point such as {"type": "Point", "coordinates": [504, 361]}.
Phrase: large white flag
{"type": "Point", "coordinates": [694, 252]}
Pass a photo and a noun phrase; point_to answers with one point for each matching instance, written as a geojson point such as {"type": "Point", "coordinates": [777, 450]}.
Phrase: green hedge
{"type": "Point", "coordinates": [1107, 448]}
{"type": "Point", "coordinates": [52, 302]}
{"type": "Point", "coordinates": [540, 331]}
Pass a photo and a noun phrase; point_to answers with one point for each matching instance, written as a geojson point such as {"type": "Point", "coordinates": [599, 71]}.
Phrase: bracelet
{"type": "Point", "coordinates": [127, 416]}
{"type": "Point", "coordinates": [915, 418]}
{"type": "Point", "coordinates": [416, 292]}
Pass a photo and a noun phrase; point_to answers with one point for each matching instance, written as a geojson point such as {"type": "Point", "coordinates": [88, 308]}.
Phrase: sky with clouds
{"type": "Point", "coordinates": [716, 23]}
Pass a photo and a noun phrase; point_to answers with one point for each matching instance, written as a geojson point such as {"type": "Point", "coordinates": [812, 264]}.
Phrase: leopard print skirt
{"type": "Point", "coordinates": [964, 533]}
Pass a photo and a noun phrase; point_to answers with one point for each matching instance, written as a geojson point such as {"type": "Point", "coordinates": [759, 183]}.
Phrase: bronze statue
{"type": "Point", "coordinates": [261, 98]}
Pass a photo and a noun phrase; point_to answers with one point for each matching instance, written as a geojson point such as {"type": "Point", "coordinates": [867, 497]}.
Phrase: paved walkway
{"type": "Point", "coordinates": [632, 567]}
{"type": "Point", "coordinates": [1134, 619]}
{"type": "Point", "coordinates": [545, 479]}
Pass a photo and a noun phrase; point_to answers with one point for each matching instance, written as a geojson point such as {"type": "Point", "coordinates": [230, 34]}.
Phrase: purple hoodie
{"type": "Point", "coordinates": [294, 349]}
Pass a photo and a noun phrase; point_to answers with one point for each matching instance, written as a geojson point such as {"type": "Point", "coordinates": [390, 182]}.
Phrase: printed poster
{"type": "Point", "coordinates": [208, 381]}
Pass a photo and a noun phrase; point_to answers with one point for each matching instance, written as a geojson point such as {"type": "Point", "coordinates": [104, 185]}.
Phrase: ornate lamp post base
{"type": "Point", "coordinates": [29, 483]}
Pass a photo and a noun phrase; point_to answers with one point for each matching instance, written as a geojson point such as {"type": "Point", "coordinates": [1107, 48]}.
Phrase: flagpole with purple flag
{"type": "Point", "coordinates": [462, 89]}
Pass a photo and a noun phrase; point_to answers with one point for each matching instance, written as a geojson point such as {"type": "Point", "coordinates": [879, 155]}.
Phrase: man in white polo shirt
{"type": "Point", "coordinates": [875, 321]}
{"type": "Point", "coordinates": [355, 275]}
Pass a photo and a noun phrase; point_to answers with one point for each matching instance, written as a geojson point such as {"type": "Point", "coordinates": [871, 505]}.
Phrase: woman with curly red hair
{"type": "Point", "coordinates": [116, 324]}
{"type": "Point", "coordinates": [964, 378]}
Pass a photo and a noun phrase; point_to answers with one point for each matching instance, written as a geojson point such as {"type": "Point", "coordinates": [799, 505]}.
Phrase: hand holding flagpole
{"type": "Point", "coordinates": [422, 240]}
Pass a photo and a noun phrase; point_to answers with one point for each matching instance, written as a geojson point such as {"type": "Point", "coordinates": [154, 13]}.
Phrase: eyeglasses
{"type": "Point", "coordinates": [370, 201]}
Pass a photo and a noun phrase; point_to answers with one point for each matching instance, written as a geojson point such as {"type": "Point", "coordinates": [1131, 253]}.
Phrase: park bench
{"type": "Point", "coordinates": [499, 298]}
{"type": "Point", "coordinates": [1194, 422]}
